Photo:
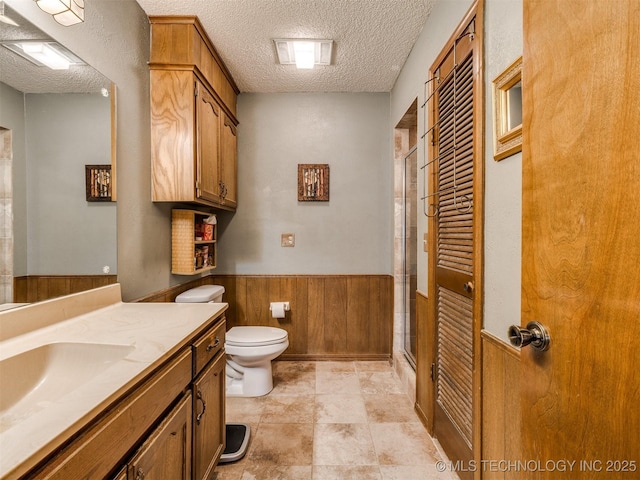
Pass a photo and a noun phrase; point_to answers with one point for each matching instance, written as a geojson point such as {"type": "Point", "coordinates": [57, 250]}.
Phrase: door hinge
{"type": "Point", "coordinates": [433, 372]}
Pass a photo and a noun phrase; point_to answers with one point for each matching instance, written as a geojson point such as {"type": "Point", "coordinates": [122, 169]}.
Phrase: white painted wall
{"type": "Point", "coordinates": [503, 180]}
{"type": "Point", "coordinates": [444, 18]}
{"type": "Point", "coordinates": [56, 231]}
{"type": "Point", "coordinates": [115, 40]}
{"type": "Point", "coordinates": [503, 44]}
{"type": "Point", "coordinates": [65, 233]}
{"type": "Point", "coordinates": [350, 234]}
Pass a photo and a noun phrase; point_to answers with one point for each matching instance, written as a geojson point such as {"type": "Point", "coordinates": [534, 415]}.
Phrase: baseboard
{"type": "Point", "coordinates": [297, 357]}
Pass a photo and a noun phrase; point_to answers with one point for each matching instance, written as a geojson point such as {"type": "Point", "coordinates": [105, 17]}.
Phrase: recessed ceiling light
{"type": "Point", "coordinates": [304, 53]}
{"type": "Point", "coordinates": [44, 53]}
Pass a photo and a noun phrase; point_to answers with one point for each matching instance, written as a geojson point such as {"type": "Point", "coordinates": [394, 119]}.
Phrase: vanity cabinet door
{"type": "Point", "coordinates": [209, 427]}
{"type": "Point", "coordinates": [167, 452]}
{"type": "Point", "coordinates": [122, 475]}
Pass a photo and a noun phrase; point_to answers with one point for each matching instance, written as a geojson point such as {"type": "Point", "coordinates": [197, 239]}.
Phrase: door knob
{"type": "Point", "coordinates": [535, 334]}
{"type": "Point", "coordinates": [468, 287]}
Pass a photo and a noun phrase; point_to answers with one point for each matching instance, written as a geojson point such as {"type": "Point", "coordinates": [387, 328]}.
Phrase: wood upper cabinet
{"type": "Point", "coordinates": [193, 123]}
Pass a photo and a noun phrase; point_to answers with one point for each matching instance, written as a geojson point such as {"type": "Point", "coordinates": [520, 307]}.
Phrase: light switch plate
{"type": "Point", "coordinates": [288, 240]}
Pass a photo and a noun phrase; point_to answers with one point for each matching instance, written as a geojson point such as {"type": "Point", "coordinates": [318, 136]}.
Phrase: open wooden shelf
{"type": "Point", "coordinates": [193, 242]}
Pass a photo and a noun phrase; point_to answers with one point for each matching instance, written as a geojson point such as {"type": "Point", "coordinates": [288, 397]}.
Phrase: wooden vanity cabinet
{"type": "Point", "coordinates": [193, 124]}
{"type": "Point", "coordinates": [181, 405]}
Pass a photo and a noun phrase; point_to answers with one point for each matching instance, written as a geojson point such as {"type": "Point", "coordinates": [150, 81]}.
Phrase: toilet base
{"type": "Point", "coordinates": [255, 381]}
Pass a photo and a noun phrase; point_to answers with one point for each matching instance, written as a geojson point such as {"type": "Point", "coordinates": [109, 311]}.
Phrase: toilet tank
{"type": "Point", "coordinates": [202, 294]}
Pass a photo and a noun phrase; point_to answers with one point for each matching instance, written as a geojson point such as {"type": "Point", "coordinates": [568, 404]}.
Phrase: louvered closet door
{"type": "Point", "coordinates": [452, 247]}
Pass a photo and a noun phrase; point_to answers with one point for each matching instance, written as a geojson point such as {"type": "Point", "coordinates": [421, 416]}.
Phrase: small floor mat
{"type": "Point", "coordinates": [237, 442]}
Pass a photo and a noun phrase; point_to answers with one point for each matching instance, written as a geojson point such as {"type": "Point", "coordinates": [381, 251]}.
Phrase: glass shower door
{"type": "Point", "coordinates": [410, 253]}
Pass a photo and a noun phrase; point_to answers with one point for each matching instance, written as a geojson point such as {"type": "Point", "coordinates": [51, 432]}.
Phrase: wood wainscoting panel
{"type": "Point", "coordinates": [36, 288]}
{"type": "Point", "coordinates": [500, 408]}
{"type": "Point", "coordinates": [331, 316]}
{"type": "Point", "coordinates": [337, 317]}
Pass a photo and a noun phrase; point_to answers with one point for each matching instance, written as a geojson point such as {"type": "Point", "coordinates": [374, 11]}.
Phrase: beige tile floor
{"type": "Point", "coordinates": [332, 421]}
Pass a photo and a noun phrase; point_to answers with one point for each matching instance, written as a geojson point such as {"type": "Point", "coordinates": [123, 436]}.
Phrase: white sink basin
{"type": "Point", "coordinates": [34, 379]}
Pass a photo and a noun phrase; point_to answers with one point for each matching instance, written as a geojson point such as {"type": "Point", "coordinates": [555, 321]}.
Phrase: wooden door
{"type": "Point", "coordinates": [455, 242]}
{"type": "Point", "coordinates": [209, 428]}
{"type": "Point", "coordinates": [581, 237]}
{"type": "Point", "coordinates": [208, 114]}
{"type": "Point", "coordinates": [167, 452]}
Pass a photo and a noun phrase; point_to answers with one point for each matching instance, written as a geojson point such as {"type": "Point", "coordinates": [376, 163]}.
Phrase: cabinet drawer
{"type": "Point", "coordinates": [208, 346]}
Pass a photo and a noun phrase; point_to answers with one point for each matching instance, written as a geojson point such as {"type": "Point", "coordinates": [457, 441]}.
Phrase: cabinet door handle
{"type": "Point", "coordinates": [214, 345]}
{"type": "Point", "coordinates": [204, 406]}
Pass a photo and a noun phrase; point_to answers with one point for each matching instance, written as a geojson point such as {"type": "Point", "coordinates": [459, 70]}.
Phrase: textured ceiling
{"type": "Point", "coordinates": [372, 39]}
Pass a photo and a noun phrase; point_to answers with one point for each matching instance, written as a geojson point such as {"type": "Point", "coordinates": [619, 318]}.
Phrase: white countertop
{"type": "Point", "coordinates": [154, 330]}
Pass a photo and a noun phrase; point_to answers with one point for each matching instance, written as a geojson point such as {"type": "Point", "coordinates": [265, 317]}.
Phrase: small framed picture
{"type": "Point", "coordinates": [313, 182]}
{"type": "Point", "coordinates": [98, 182]}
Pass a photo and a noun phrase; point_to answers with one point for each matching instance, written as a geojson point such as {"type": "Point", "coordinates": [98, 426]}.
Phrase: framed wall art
{"type": "Point", "coordinates": [313, 182]}
{"type": "Point", "coordinates": [98, 183]}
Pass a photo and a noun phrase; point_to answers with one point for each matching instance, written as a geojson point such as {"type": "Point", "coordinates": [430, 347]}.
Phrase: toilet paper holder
{"type": "Point", "coordinates": [278, 309]}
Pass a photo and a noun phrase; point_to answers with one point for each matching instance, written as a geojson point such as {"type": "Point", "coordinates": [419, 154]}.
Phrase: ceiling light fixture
{"type": "Point", "coordinates": [48, 54]}
{"type": "Point", "coordinates": [304, 53]}
{"type": "Point", "coordinates": [65, 12]}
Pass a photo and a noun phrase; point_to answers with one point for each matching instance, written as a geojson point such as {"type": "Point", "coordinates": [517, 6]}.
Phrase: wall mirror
{"type": "Point", "coordinates": [507, 111]}
{"type": "Point", "coordinates": [52, 124]}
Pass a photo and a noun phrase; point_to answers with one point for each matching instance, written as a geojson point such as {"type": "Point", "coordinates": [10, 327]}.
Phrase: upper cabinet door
{"type": "Point", "coordinates": [229, 162]}
{"type": "Point", "coordinates": [208, 115]}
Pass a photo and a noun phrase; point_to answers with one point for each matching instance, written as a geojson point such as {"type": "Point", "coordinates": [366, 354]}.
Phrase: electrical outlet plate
{"type": "Point", "coordinates": [288, 240]}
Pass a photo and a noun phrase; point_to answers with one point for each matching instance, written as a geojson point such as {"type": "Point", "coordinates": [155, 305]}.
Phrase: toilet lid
{"type": "Point", "coordinates": [255, 336]}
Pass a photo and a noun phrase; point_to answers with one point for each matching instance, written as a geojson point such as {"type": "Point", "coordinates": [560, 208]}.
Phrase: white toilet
{"type": "Point", "coordinates": [249, 349]}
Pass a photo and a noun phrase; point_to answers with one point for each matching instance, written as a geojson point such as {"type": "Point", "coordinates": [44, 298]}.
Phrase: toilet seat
{"type": "Point", "coordinates": [254, 336]}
